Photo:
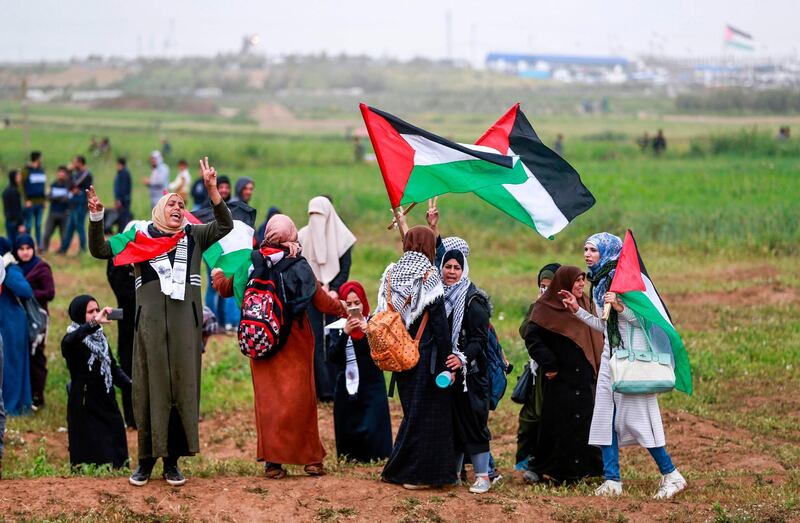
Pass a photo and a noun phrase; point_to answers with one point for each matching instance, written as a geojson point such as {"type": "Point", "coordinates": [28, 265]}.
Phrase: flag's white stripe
{"type": "Point", "coordinates": [538, 203]}
{"type": "Point", "coordinates": [652, 295]}
{"type": "Point", "coordinates": [428, 152]}
{"type": "Point", "coordinates": [241, 237]}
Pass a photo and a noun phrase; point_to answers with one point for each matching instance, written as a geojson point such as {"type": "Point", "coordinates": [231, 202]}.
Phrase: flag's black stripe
{"type": "Point", "coordinates": [406, 128]}
{"type": "Point", "coordinates": [239, 210]}
{"type": "Point", "coordinates": [739, 32]}
{"type": "Point", "coordinates": [644, 271]}
{"type": "Point", "coordinates": [558, 177]}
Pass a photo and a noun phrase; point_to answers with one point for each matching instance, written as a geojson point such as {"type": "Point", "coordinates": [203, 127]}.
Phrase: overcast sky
{"type": "Point", "coordinates": [63, 29]}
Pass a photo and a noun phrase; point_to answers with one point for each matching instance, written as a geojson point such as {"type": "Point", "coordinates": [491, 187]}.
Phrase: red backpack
{"type": "Point", "coordinates": [266, 321]}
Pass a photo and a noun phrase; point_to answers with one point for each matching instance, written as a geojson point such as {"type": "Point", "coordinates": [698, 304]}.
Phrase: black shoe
{"type": "Point", "coordinates": [141, 475]}
{"type": "Point", "coordinates": [173, 475]}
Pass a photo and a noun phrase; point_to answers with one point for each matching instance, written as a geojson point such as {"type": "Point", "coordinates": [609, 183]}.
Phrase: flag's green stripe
{"type": "Point", "coordinates": [498, 196]}
{"type": "Point", "coordinates": [427, 181]}
{"type": "Point", "coordinates": [740, 45]}
{"type": "Point", "coordinates": [212, 254]}
{"type": "Point", "coordinates": [641, 305]}
{"type": "Point", "coordinates": [119, 241]}
{"type": "Point", "coordinates": [231, 261]}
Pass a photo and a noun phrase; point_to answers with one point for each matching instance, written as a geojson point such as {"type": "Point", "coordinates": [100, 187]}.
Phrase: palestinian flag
{"type": "Point", "coordinates": [417, 165]}
{"type": "Point", "coordinates": [634, 285]}
{"type": "Point", "coordinates": [552, 194]}
{"type": "Point", "coordinates": [737, 38]}
{"type": "Point", "coordinates": [234, 248]}
{"type": "Point", "coordinates": [136, 245]}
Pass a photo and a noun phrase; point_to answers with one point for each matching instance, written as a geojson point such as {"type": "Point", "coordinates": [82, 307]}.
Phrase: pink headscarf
{"type": "Point", "coordinates": [281, 232]}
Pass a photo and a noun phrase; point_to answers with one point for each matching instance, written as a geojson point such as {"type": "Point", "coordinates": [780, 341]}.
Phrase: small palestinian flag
{"type": "Point", "coordinates": [552, 194]}
{"type": "Point", "coordinates": [417, 165]}
{"type": "Point", "coordinates": [234, 248]}
{"type": "Point", "coordinates": [634, 285]}
{"type": "Point", "coordinates": [737, 38]}
{"type": "Point", "coordinates": [136, 245]}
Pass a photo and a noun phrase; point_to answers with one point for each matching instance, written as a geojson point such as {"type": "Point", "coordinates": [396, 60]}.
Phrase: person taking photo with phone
{"type": "Point", "coordinates": [360, 408]}
{"type": "Point", "coordinates": [96, 431]}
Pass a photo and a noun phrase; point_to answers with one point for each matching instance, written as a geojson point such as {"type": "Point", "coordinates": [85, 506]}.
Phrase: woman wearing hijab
{"type": "Point", "coordinates": [327, 245]}
{"type": "Point", "coordinates": [423, 455]}
{"type": "Point", "coordinates": [531, 411]}
{"type": "Point", "coordinates": [620, 419]}
{"type": "Point", "coordinates": [567, 353]}
{"type": "Point", "coordinates": [166, 254]}
{"type": "Point", "coordinates": [259, 236]}
{"type": "Point", "coordinates": [283, 384]}
{"type": "Point", "coordinates": [16, 348]}
{"type": "Point", "coordinates": [40, 276]}
{"type": "Point", "coordinates": [468, 310]}
{"type": "Point", "coordinates": [12, 206]}
{"type": "Point", "coordinates": [360, 409]}
{"type": "Point", "coordinates": [95, 427]}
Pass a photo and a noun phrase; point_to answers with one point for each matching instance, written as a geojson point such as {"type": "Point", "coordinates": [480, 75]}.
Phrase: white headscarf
{"type": "Point", "coordinates": [325, 239]}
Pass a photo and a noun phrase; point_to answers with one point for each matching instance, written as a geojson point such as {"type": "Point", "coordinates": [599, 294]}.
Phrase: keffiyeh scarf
{"type": "Point", "coordinates": [455, 297]}
{"type": "Point", "coordinates": [98, 346]}
{"type": "Point", "coordinates": [172, 276]}
{"type": "Point", "coordinates": [408, 280]}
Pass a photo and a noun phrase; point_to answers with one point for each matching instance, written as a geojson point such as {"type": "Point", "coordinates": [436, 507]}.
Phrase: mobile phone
{"type": "Point", "coordinates": [115, 314]}
{"type": "Point", "coordinates": [354, 312]}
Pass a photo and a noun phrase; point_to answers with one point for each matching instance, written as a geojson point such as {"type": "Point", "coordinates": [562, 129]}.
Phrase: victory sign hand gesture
{"type": "Point", "coordinates": [94, 203]}
{"type": "Point", "coordinates": [208, 173]}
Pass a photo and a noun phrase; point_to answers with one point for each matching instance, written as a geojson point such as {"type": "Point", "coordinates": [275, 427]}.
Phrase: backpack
{"type": "Point", "coordinates": [390, 344]}
{"type": "Point", "coordinates": [266, 320]}
{"type": "Point", "coordinates": [497, 369]}
{"type": "Point", "coordinates": [37, 321]}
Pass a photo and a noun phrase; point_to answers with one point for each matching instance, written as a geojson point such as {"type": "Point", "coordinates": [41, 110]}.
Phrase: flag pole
{"type": "Point", "coordinates": [406, 211]}
{"type": "Point", "coordinates": [398, 220]}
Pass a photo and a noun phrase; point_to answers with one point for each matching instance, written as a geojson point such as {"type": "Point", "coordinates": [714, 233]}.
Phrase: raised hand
{"type": "Point", "coordinates": [94, 203]}
{"type": "Point", "coordinates": [432, 216]}
{"type": "Point", "coordinates": [569, 300]}
{"type": "Point", "coordinates": [208, 173]}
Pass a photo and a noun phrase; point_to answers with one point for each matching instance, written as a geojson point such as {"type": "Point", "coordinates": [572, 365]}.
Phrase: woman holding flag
{"type": "Point", "coordinates": [166, 254]}
{"type": "Point", "coordinates": [620, 419]}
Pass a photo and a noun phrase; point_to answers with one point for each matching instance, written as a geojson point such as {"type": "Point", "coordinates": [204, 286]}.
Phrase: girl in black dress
{"type": "Point", "coordinates": [96, 429]}
{"type": "Point", "coordinates": [360, 408]}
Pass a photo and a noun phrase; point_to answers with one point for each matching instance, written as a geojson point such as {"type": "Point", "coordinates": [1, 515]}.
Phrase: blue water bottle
{"type": "Point", "coordinates": [443, 379]}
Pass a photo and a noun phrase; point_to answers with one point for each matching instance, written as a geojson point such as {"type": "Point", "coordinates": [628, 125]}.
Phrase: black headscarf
{"type": "Point", "coordinates": [12, 178]}
{"type": "Point", "coordinates": [26, 239]}
{"type": "Point", "coordinates": [548, 271]}
{"type": "Point", "coordinates": [77, 308]}
{"type": "Point", "coordinates": [453, 254]}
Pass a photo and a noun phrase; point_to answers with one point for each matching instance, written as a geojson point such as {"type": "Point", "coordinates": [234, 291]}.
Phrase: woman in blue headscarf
{"type": "Point", "coordinates": [620, 419]}
{"type": "Point", "coordinates": [16, 365]}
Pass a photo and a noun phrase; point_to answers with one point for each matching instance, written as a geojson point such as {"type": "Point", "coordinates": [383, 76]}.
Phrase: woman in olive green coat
{"type": "Point", "coordinates": [168, 322]}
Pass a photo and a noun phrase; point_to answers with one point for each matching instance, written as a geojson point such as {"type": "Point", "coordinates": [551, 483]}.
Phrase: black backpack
{"type": "Point", "coordinates": [266, 318]}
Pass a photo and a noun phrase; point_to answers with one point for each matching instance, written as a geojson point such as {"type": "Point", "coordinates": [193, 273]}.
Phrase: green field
{"type": "Point", "coordinates": [716, 224]}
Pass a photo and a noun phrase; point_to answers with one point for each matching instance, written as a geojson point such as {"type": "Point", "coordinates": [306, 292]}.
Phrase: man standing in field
{"type": "Point", "coordinates": [159, 178]}
{"type": "Point", "coordinates": [34, 194]}
{"type": "Point", "coordinates": [81, 181]}
{"type": "Point", "coordinates": [122, 193]}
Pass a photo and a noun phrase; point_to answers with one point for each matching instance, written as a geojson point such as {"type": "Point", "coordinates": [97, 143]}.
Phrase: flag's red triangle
{"type": "Point", "coordinates": [395, 156]}
{"type": "Point", "coordinates": [496, 136]}
{"type": "Point", "coordinates": [191, 218]}
{"type": "Point", "coordinates": [144, 248]}
{"type": "Point", "coordinates": [628, 275]}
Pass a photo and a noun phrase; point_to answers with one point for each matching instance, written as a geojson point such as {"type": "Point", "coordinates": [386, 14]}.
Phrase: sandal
{"type": "Point", "coordinates": [274, 471]}
{"type": "Point", "coordinates": [315, 469]}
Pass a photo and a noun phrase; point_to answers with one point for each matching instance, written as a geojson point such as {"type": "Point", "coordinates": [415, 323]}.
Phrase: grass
{"type": "Point", "coordinates": [719, 233]}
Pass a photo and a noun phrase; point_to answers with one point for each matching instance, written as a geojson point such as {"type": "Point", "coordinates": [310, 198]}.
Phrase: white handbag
{"type": "Point", "coordinates": [644, 371]}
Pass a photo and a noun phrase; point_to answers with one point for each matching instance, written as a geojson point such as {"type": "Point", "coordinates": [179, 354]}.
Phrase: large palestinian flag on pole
{"type": "Point", "coordinates": [634, 285]}
{"type": "Point", "coordinates": [417, 165]}
{"type": "Point", "coordinates": [552, 194]}
{"type": "Point", "coordinates": [234, 249]}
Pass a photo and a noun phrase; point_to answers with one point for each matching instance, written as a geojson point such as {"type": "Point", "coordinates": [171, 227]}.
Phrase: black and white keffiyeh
{"type": "Point", "coordinates": [455, 296]}
{"type": "Point", "coordinates": [98, 345]}
{"type": "Point", "coordinates": [172, 276]}
{"type": "Point", "coordinates": [408, 279]}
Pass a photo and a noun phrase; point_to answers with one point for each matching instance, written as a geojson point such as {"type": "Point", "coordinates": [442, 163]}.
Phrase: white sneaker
{"type": "Point", "coordinates": [481, 485]}
{"type": "Point", "coordinates": [413, 486]}
{"type": "Point", "coordinates": [609, 488]}
{"type": "Point", "coordinates": [671, 484]}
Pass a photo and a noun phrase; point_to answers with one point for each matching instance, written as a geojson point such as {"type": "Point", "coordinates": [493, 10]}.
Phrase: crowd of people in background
{"type": "Point", "coordinates": [570, 426]}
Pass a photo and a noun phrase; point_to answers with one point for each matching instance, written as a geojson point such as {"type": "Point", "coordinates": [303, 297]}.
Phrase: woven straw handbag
{"type": "Point", "coordinates": [390, 345]}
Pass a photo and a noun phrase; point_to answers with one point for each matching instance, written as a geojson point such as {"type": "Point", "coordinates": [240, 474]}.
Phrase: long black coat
{"type": "Point", "coordinates": [471, 408]}
{"type": "Point", "coordinates": [123, 283]}
{"type": "Point", "coordinates": [563, 449]}
{"type": "Point", "coordinates": [96, 429]}
{"type": "Point", "coordinates": [423, 451]}
{"type": "Point", "coordinates": [362, 423]}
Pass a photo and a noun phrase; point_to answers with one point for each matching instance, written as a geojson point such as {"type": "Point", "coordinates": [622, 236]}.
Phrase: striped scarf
{"type": "Point", "coordinates": [172, 276]}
